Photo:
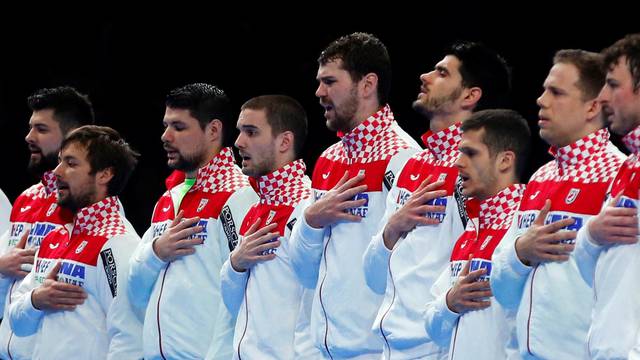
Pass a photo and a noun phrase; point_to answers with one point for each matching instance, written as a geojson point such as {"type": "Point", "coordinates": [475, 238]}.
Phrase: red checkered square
{"type": "Point", "coordinates": [220, 175]}
{"type": "Point", "coordinates": [372, 140]}
{"type": "Point", "coordinates": [588, 160]}
{"type": "Point", "coordinates": [285, 186]}
{"type": "Point", "coordinates": [497, 212]}
{"type": "Point", "coordinates": [100, 219]}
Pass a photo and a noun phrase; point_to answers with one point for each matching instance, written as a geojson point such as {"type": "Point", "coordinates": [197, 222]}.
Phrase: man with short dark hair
{"type": "Point", "coordinates": [350, 183]}
{"type": "Point", "coordinates": [258, 281]}
{"type": "Point", "coordinates": [175, 272]}
{"type": "Point", "coordinates": [612, 270]}
{"type": "Point", "coordinates": [55, 112]}
{"type": "Point", "coordinates": [493, 153]}
{"type": "Point", "coordinates": [533, 271]}
{"type": "Point", "coordinates": [77, 288]}
{"type": "Point", "coordinates": [425, 210]}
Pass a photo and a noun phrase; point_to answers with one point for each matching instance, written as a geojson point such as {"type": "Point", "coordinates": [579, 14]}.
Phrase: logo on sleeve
{"type": "Point", "coordinates": [203, 203]}
{"type": "Point", "coordinates": [291, 223]}
{"type": "Point", "coordinates": [109, 263]}
{"type": "Point", "coordinates": [389, 178]}
{"type": "Point", "coordinates": [229, 227]}
{"type": "Point", "coordinates": [572, 195]}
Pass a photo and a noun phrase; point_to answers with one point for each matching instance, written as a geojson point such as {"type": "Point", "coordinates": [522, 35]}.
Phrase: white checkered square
{"type": "Point", "coordinates": [497, 212]}
{"type": "Point", "coordinates": [632, 140]}
{"type": "Point", "coordinates": [372, 140]}
{"type": "Point", "coordinates": [285, 186]}
{"type": "Point", "coordinates": [220, 175]}
{"type": "Point", "coordinates": [100, 219]}
{"type": "Point", "coordinates": [588, 160]}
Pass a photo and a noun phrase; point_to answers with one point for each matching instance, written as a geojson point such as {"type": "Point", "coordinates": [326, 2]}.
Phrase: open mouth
{"type": "Point", "coordinates": [62, 186]}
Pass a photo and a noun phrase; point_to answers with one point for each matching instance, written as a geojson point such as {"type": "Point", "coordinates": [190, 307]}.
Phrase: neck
{"type": "Point", "coordinates": [365, 110]}
{"type": "Point", "coordinates": [213, 152]}
{"type": "Point", "coordinates": [439, 122]}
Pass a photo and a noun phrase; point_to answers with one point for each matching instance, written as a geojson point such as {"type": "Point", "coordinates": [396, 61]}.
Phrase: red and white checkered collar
{"type": "Point", "coordinates": [367, 132]}
{"type": "Point", "coordinates": [49, 182]}
{"type": "Point", "coordinates": [632, 140]}
{"type": "Point", "coordinates": [497, 212]}
{"type": "Point", "coordinates": [220, 174]}
{"type": "Point", "coordinates": [102, 218]}
{"type": "Point", "coordinates": [581, 150]}
{"type": "Point", "coordinates": [285, 186]}
{"type": "Point", "coordinates": [444, 143]}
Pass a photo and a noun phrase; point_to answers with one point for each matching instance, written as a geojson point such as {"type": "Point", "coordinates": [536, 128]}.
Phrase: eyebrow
{"type": "Point", "coordinates": [442, 68]}
{"type": "Point", "coordinates": [247, 126]}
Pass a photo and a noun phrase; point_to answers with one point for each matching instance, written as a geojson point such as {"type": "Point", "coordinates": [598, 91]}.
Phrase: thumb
{"type": "Point", "coordinates": [23, 240]}
{"type": "Point", "coordinates": [543, 213]}
{"type": "Point", "coordinates": [53, 274]}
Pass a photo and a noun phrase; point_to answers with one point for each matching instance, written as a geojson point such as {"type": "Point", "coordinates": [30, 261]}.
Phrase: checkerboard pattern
{"type": "Point", "coordinates": [497, 212]}
{"type": "Point", "coordinates": [285, 186]}
{"type": "Point", "coordinates": [220, 175]}
{"type": "Point", "coordinates": [588, 160]}
{"type": "Point", "coordinates": [632, 140]}
{"type": "Point", "coordinates": [100, 219]}
{"type": "Point", "coordinates": [372, 140]}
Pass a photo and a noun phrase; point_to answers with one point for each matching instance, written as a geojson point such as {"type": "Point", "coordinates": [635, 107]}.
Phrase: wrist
{"type": "Point", "coordinates": [519, 253]}
{"type": "Point", "coordinates": [35, 299]}
{"type": "Point", "coordinates": [234, 263]}
{"type": "Point", "coordinates": [311, 221]}
{"type": "Point", "coordinates": [390, 237]}
{"type": "Point", "coordinates": [154, 247]}
{"type": "Point", "coordinates": [449, 302]}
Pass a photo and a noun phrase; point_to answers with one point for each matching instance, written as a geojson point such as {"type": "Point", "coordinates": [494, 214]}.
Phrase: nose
{"type": "Point", "coordinates": [30, 138]}
{"type": "Point", "coordinates": [166, 135]}
{"type": "Point", "coordinates": [605, 94]}
{"type": "Point", "coordinates": [321, 90]}
{"type": "Point", "coordinates": [541, 100]}
{"type": "Point", "coordinates": [426, 77]}
{"type": "Point", "coordinates": [58, 170]}
{"type": "Point", "coordinates": [240, 143]}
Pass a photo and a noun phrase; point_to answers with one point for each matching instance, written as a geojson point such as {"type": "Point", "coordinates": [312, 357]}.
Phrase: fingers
{"type": "Point", "coordinates": [351, 193]}
{"type": "Point", "coordinates": [465, 269]}
{"type": "Point", "coordinates": [615, 200]}
{"type": "Point", "coordinates": [351, 204]}
{"type": "Point", "coordinates": [431, 189]}
{"type": "Point", "coordinates": [253, 227]}
{"type": "Point", "coordinates": [260, 233]}
{"type": "Point", "coordinates": [177, 219]}
{"type": "Point", "coordinates": [187, 223]}
{"type": "Point", "coordinates": [557, 225]}
{"type": "Point", "coordinates": [424, 183]}
{"type": "Point", "coordinates": [23, 240]}
{"type": "Point", "coordinates": [349, 183]}
{"type": "Point", "coordinates": [188, 232]}
{"type": "Point", "coordinates": [543, 213]}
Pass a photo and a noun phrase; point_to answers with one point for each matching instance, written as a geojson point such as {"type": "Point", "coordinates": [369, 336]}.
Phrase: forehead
{"type": "Point", "coordinates": [182, 115]}
{"type": "Point", "coordinates": [620, 69]}
{"type": "Point", "coordinates": [473, 138]}
{"type": "Point", "coordinates": [253, 117]}
{"type": "Point", "coordinates": [43, 117]}
{"type": "Point", "coordinates": [451, 63]}
{"type": "Point", "coordinates": [74, 150]}
{"type": "Point", "coordinates": [332, 68]}
{"type": "Point", "coordinates": [563, 74]}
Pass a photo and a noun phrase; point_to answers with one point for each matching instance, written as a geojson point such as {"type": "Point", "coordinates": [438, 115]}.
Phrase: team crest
{"type": "Point", "coordinates": [203, 203]}
{"type": "Point", "coordinates": [272, 214]}
{"type": "Point", "coordinates": [52, 208]}
{"type": "Point", "coordinates": [485, 242]}
{"type": "Point", "coordinates": [442, 176]}
{"type": "Point", "coordinates": [572, 195]}
{"type": "Point", "coordinates": [81, 247]}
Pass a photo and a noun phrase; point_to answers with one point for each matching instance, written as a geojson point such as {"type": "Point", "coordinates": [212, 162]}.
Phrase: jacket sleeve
{"type": "Point", "coordinates": [25, 318]}
{"type": "Point", "coordinates": [5, 211]}
{"type": "Point", "coordinates": [509, 274]}
{"type": "Point", "coordinates": [232, 286]}
{"type": "Point", "coordinates": [124, 323]}
{"type": "Point", "coordinates": [586, 254]}
{"type": "Point", "coordinates": [439, 320]}
{"type": "Point", "coordinates": [143, 272]}
{"type": "Point", "coordinates": [305, 249]}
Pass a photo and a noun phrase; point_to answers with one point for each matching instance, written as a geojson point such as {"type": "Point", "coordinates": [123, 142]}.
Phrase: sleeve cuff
{"type": "Point", "coordinates": [149, 257]}
{"type": "Point", "coordinates": [441, 307]}
{"type": "Point", "coordinates": [31, 311]}
{"type": "Point", "coordinates": [514, 262]}
{"type": "Point", "coordinates": [231, 273]}
{"type": "Point", "coordinates": [588, 244]}
{"type": "Point", "coordinates": [310, 234]}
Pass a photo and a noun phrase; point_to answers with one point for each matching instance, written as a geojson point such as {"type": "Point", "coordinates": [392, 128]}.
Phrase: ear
{"type": "Point", "coordinates": [213, 130]}
{"type": "Point", "coordinates": [104, 176]}
{"type": "Point", "coordinates": [593, 108]}
{"type": "Point", "coordinates": [506, 161]}
{"type": "Point", "coordinates": [369, 85]}
{"type": "Point", "coordinates": [284, 142]}
{"type": "Point", "coordinates": [471, 96]}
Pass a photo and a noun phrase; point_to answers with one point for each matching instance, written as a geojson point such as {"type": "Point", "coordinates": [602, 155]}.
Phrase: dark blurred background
{"type": "Point", "coordinates": [127, 67]}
